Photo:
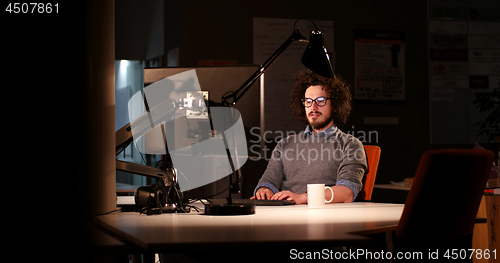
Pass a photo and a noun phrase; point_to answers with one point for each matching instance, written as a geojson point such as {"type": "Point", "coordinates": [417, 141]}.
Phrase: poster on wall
{"type": "Point", "coordinates": [379, 65]}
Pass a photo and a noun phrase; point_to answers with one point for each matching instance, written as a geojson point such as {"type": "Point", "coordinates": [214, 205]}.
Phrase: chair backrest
{"type": "Point", "coordinates": [372, 157]}
{"type": "Point", "coordinates": [445, 194]}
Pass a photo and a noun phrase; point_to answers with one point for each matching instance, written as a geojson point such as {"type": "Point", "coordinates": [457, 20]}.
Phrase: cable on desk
{"type": "Point", "coordinates": [106, 213]}
{"type": "Point", "coordinates": [207, 197]}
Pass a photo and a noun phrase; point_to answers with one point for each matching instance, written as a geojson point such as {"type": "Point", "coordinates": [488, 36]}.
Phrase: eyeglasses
{"type": "Point", "coordinates": [320, 101]}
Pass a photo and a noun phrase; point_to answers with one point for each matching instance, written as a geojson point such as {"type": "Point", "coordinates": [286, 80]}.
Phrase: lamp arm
{"type": "Point", "coordinates": [144, 170]}
{"type": "Point", "coordinates": [236, 95]}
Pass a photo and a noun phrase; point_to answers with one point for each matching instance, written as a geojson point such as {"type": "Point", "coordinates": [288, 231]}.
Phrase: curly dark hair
{"type": "Point", "coordinates": [336, 88]}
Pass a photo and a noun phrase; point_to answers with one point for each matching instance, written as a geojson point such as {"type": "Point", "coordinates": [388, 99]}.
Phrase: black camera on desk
{"type": "Point", "coordinates": [157, 199]}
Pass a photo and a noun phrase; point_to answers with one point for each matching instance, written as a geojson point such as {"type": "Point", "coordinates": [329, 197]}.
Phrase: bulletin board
{"type": "Point", "coordinates": [464, 59]}
{"type": "Point", "coordinates": [379, 65]}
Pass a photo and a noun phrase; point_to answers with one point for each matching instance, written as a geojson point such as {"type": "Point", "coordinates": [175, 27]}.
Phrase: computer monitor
{"type": "Point", "coordinates": [192, 127]}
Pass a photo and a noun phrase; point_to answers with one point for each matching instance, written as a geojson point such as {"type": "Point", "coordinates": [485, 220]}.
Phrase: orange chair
{"type": "Point", "coordinates": [441, 207]}
{"type": "Point", "coordinates": [372, 157]}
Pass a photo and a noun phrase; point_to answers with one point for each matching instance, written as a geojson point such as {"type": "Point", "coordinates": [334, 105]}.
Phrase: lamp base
{"type": "Point", "coordinates": [229, 210]}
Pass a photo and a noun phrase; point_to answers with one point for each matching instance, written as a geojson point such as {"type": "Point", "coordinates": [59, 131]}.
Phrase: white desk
{"type": "Point", "coordinates": [268, 226]}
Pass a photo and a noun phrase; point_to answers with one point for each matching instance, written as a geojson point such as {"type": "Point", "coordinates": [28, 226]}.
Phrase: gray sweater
{"type": "Point", "coordinates": [331, 158]}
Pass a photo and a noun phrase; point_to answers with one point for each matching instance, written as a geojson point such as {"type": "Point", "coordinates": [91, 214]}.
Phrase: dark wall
{"type": "Point", "coordinates": [222, 30]}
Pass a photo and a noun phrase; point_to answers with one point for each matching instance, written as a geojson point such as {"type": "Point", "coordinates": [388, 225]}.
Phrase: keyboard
{"type": "Point", "coordinates": [255, 202]}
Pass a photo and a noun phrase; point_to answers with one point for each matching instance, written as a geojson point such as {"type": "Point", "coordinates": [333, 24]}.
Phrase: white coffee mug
{"type": "Point", "coordinates": [316, 195]}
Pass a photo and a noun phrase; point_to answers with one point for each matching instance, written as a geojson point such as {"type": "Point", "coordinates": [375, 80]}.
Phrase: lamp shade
{"type": "Point", "coordinates": [316, 56]}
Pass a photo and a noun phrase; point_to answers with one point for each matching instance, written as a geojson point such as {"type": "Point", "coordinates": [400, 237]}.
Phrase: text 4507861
{"type": "Point", "coordinates": [32, 8]}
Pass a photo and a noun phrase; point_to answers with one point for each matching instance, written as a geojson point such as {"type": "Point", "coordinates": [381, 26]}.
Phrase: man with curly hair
{"type": "Point", "coordinates": [322, 153]}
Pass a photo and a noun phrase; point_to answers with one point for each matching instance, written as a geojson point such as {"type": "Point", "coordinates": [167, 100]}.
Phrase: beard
{"type": "Point", "coordinates": [319, 123]}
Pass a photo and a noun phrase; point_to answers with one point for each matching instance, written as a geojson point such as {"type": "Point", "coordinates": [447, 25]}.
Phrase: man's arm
{"type": "Point", "coordinates": [272, 177]}
{"type": "Point", "coordinates": [341, 194]}
{"type": "Point", "coordinates": [351, 172]}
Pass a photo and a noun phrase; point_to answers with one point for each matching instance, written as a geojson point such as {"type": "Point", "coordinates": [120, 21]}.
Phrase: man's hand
{"type": "Point", "coordinates": [263, 193]}
{"type": "Point", "coordinates": [290, 196]}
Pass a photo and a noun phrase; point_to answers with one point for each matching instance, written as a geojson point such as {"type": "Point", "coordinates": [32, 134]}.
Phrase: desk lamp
{"type": "Point", "coordinates": [315, 58]}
